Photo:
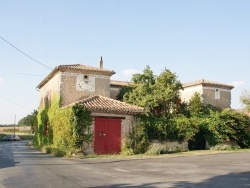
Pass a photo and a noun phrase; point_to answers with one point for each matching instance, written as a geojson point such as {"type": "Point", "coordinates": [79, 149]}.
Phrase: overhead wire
{"type": "Point", "coordinates": [24, 53]}
{"type": "Point", "coordinates": [15, 103]}
{"type": "Point", "coordinates": [19, 73]}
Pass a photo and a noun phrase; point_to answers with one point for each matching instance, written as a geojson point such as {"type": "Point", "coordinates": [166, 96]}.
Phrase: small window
{"type": "Point", "coordinates": [217, 94]}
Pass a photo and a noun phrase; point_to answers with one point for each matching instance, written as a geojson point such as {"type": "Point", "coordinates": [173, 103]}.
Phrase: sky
{"type": "Point", "coordinates": [194, 39]}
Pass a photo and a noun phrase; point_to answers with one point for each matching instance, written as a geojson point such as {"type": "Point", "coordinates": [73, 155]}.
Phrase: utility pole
{"type": "Point", "coordinates": [15, 125]}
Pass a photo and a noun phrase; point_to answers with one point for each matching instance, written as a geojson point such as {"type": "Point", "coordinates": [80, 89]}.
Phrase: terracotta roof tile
{"type": "Point", "coordinates": [207, 82]}
{"type": "Point", "coordinates": [76, 68]}
{"type": "Point", "coordinates": [119, 83]}
{"type": "Point", "coordinates": [86, 68]}
{"type": "Point", "coordinates": [107, 105]}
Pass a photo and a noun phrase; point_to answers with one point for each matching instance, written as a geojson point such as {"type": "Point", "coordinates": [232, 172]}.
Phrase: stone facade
{"type": "Point", "coordinates": [213, 93]}
{"type": "Point", "coordinates": [90, 87]}
{"type": "Point", "coordinates": [75, 82]}
{"type": "Point", "coordinates": [216, 94]}
{"type": "Point", "coordinates": [70, 94]}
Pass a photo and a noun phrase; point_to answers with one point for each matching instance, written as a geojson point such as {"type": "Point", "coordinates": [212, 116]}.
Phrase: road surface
{"type": "Point", "coordinates": [22, 167]}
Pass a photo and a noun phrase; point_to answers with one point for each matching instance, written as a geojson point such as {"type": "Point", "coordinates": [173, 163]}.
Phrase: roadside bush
{"type": "Point", "coordinates": [227, 126]}
{"type": "Point", "coordinates": [164, 148]}
{"type": "Point", "coordinates": [63, 129]}
{"type": "Point", "coordinates": [221, 147]}
{"type": "Point", "coordinates": [136, 140]}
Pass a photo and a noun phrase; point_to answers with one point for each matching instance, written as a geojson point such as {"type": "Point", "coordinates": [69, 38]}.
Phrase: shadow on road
{"type": "Point", "coordinates": [6, 155]}
{"type": "Point", "coordinates": [229, 180]}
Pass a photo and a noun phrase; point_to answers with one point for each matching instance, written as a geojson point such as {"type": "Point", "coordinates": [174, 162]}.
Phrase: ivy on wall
{"type": "Point", "coordinates": [64, 128]}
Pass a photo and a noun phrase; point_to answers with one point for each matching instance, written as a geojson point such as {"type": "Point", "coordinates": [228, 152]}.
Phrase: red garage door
{"type": "Point", "coordinates": [107, 136]}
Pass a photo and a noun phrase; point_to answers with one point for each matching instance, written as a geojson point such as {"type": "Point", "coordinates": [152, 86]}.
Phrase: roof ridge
{"type": "Point", "coordinates": [201, 81]}
{"type": "Point", "coordinates": [99, 103]}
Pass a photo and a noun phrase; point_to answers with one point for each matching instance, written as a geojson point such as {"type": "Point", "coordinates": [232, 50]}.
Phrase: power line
{"type": "Point", "coordinates": [24, 53]}
{"type": "Point", "coordinates": [10, 101]}
{"type": "Point", "coordinates": [19, 73]}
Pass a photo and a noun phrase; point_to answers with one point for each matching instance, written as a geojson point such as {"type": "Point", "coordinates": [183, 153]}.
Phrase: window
{"type": "Point", "coordinates": [217, 94]}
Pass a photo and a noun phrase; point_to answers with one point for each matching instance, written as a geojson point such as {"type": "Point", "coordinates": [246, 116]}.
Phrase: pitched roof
{"type": "Point", "coordinates": [78, 68]}
{"type": "Point", "coordinates": [119, 83]}
{"type": "Point", "coordinates": [207, 83]}
{"type": "Point", "coordinates": [107, 105]}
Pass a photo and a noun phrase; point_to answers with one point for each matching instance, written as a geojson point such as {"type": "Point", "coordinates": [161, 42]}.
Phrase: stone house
{"type": "Point", "coordinates": [213, 93]}
{"type": "Point", "coordinates": [91, 87]}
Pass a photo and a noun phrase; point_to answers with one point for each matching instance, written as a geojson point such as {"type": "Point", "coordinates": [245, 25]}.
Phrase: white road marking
{"type": "Point", "coordinates": [121, 170]}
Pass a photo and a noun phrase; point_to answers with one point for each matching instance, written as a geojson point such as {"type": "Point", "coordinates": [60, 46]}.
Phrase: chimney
{"type": "Point", "coordinates": [101, 63]}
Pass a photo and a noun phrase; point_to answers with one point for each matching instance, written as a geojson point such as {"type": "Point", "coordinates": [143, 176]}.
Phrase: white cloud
{"type": "Point", "coordinates": [238, 83]}
{"type": "Point", "coordinates": [129, 72]}
{"type": "Point", "coordinates": [125, 75]}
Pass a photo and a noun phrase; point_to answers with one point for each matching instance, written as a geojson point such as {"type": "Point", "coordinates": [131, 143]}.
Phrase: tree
{"type": "Point", "coordinates": [245, 100]}
{"type": "Point", "coordinates": [195, 105]}
{"type": "Point", "coordinates": [29, 120]}
{"type": "Point", "coordinates": [229, 125]}
{"type": "Point", "coordinates": [159, 95]}
{"type": "Point", "coordinates": [167, 93]}
{"type": "Point", "coordinates": [142, 90]}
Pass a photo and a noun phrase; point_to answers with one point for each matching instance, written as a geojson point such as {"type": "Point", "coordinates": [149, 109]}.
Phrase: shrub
{"type": "Point", "coordinates": [136, 140]}
{"type": "Point", "coordinates": [229, 125]}
{"type": "Point", "coordinates": [165, 148]}
{"type": "Point", "coordinates": [65, 129]}
{"type": "Point", "coordinates": [222, 147]}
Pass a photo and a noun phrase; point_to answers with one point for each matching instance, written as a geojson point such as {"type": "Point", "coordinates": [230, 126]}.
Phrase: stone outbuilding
{"type": "Point", "coordinates": [213, 93]}
{"type": "Point", "coordinates": [90, 86]}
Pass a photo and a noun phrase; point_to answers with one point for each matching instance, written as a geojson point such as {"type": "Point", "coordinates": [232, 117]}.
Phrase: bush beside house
{"type": "Point", "coordinates": [71, 124]}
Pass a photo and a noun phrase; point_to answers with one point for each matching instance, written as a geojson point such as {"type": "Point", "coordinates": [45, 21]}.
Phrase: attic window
{"type": "Point", "coordinates": [85, 77]}
{"type": "Point", "coordinates": [217, 94]}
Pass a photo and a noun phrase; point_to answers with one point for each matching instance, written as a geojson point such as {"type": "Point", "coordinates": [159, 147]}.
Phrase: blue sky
{"type": "Point", "coordinates": [195, 39]}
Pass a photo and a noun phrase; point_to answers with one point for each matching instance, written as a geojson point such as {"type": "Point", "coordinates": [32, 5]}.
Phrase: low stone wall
{"type": "Point", "coordinates": [157, 147]}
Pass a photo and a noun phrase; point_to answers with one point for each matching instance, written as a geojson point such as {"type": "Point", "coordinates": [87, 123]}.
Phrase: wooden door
{"type": "Point", "coordinates": [107, 136]}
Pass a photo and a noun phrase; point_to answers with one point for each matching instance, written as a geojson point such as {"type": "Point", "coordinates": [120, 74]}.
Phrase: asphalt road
{"type": "Point", "coordinates": [22, 167]}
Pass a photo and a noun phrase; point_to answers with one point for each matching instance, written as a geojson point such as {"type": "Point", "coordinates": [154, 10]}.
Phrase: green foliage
{"type": "Point", "coordinates": [229, 125]}
{"type": "Point", "coordinates": [136, 141]}
{"type": "Point", "coordinates": [166, 93]}
{"type": "Point", "coordinates": [187, 128]}
{"type": "Point", "coordinates": [158, 95]}
{"type": "Point", "coordinates": [122, 91]}
{"type": "Point", "coordinates": [67, 128]}
{"type": "Point", "coordinates": [163, 148]}
{"type": "Point", "coordinates": [222, 147]}
{"type": "Point", "coordinates": [29, 120]}
{"type": "Point", "coordinates": [195, 105]}
{"type": "Point", "coordinates": [157, 149]}
{"type": "Point", "coordinates": [81, 122]}
{"type": "Point", "coordinates": [198, 109]}
{"type": "Point", "coordinates": [49, 149]}
{"type": "Point", "coordinates": [245, 100]}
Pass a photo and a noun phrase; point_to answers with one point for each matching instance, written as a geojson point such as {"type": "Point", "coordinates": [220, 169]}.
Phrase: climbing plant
{"type": "Point", "coordinates": [65, 128]}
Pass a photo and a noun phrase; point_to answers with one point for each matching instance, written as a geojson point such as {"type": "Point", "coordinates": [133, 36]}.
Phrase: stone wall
{"type": "Point", "coordinates": [223, 101]}
{"type": "Point", "coordinates": [70, 94]}
{"type": "Point", "coordinates": [50, 88]}
{"type": "Point", "coordinates": [218, 97]}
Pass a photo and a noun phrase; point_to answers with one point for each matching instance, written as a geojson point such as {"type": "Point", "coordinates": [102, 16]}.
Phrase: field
{"type": "Point", "coordinates": [23, 132]}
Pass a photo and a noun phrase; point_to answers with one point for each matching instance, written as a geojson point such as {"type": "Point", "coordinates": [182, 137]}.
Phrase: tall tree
{"type": "Point", "coordinates": [142, 90]}
{"type": "Point", "coordinates": [29, 120]}
{"type": "Point", "coordinates": [157, 94]}
{"type": "Point", "coordinates": [195, 105]}
{"type": "Point", "coordinates": [245, 100]}
{"type": "Point", "coordinates": [167, 93]}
